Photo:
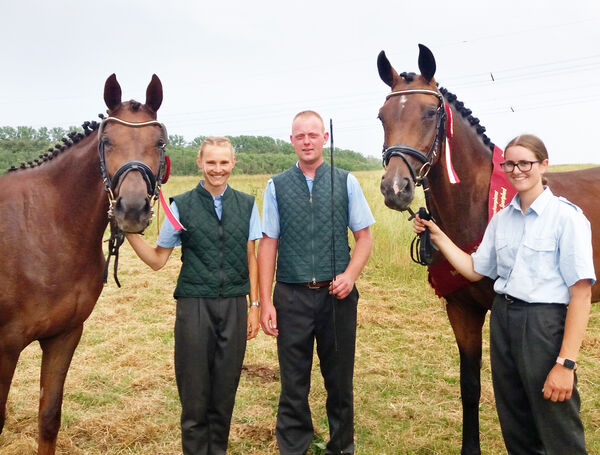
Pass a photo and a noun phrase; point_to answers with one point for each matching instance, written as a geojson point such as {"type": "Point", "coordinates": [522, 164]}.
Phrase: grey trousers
{"type": "Point", "coordinates": [525, 339]}
{"type": "Point", "coordinates": [210, 343]}
{"type": "Point", "coordinates": [304, 316]}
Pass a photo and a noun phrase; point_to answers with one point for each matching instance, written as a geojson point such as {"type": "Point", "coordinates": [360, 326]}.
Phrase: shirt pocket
{"type": "Point", "coordinates": [539, 255]}
{"type": "Point", "coordinates": [504, 257]}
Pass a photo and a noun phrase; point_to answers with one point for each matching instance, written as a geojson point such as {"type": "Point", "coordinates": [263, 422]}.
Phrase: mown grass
{"type": "Point", "coordinates": [121, 398]}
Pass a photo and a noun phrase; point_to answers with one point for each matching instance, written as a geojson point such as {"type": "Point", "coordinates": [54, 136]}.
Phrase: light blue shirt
{"type": "Point", "coordinates": [359, 213]}
{"type": "Point", "coordinates": [170, 238]}
{"type": "Point", "coordinates": [538, 255]}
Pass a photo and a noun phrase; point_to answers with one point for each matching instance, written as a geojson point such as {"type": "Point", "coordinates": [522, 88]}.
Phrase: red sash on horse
{"type": "Point", "coordinates": [444, 279]}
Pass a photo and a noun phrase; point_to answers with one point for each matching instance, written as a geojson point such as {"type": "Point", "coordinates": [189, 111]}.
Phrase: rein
{"type": "Point", "coordinates": [421, 246]}
{"type": "Point", "coordinates": [153, 183]}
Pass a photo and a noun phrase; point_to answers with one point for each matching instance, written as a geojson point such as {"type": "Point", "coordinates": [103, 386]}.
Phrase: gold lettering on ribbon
{"type": "Point", "coordinates": [499, 205]}
{"type": "Point", "coordinates": [503, 198]}
{"type": "Point", "coordinates": [495, 206]}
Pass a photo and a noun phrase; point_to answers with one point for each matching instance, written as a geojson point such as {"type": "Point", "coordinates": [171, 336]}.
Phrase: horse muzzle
{"type": "Point", "coordinates": [132, 214]}
{"type": "Point", "coordinates": [132, 209]}
{"type": "Point", "coordinates": [398, 192]}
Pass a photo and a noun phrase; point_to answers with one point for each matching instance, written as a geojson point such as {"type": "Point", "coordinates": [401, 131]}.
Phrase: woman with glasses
{"type": "Point", "coordinates": [538, 249]}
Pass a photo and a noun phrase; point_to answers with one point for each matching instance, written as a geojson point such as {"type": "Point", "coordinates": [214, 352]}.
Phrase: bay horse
{"type": "Point", "coordinates": [414, 118]}
{"type": "Point", "coordinates": [54, 215]}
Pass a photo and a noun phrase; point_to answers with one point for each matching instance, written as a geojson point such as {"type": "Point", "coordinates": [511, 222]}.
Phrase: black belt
{"type": "Point", "coordinates": [315, 284]}
{"type": "Point", "coordinates": [511, 299]}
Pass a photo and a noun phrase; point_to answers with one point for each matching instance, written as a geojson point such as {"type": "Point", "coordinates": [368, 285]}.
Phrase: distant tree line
{"type": "Point", "coordinates": [255, 154]}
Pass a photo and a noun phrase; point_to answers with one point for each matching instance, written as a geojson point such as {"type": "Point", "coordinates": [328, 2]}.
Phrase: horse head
{"type": "Point", "coordinates": [131, 146]}
{"type": "Point", "coordinates": [413, 117]}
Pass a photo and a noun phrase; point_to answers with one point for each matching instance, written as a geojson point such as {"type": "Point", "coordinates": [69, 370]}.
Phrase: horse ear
{"type": "Point", "coordinates": [386, 72]}
{"type": "Point", "coordinates": [154, 93]}
{"type": "Point", "coordinates": [426, 63]}
{"type": "Point", "coordinates": [112, 92]}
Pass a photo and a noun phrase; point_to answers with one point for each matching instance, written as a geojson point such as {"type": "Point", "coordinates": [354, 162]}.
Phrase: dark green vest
{"type": "Point", "coordinates": [214, 252]}
{"type": "Point", "coordinates": [305, 222]}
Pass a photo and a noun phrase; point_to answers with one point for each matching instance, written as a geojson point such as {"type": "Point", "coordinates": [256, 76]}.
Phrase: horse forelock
{"type": "Point", "coordinates": [72, 138]}
{"type": "Point", "coordinates": [124, 111]}
{"type": "Point", "coordinates": [408, 77]}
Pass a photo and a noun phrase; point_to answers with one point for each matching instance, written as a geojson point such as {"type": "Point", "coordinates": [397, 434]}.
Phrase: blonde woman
{"type": "Point", "coordinates": [218, 270]}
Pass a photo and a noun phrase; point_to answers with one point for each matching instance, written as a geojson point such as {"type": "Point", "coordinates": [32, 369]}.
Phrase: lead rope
{"type": "Point", "coordinates": [117, 237]}
{"type": "Point", "coordinates": [421, 247]}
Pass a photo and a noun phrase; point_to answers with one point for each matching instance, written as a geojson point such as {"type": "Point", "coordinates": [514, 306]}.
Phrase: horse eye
{"type": "Point", "coordinates": [160, 143]}
{"type": "Point", "coordinates": [430, 113]}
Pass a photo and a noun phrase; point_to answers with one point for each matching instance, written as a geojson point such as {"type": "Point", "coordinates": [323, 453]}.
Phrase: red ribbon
{"type": "Point", "coordinates": [169, 214]}
{"type": "Point", "coordinates": [452, 176]}
{"type": "Point", "coordinates": [444, 279]}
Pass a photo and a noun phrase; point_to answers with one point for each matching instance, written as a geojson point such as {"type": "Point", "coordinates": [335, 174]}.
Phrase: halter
{"type": "Point", "coordinates": [406, 150]}
{"type": "Point", "coordinates": [421, 248]}
{"type": "Point", "coordinates": [153, 183]}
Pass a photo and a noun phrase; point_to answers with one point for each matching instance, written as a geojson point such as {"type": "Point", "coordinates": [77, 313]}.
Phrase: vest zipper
{"type": "Point", "coordinates": [221, 246]}
{"type": "Point", "coordinates": [312, 237]}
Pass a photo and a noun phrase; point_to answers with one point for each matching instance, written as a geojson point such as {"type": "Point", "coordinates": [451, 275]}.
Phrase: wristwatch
{"type": "Point", "coordinates": [567, 363]}
{"type": "Point", "coordinates": [254, 303]}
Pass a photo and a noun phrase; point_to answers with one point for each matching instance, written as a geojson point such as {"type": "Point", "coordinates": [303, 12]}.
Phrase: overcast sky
{"type": "Point", "coordinates": [246, 67]}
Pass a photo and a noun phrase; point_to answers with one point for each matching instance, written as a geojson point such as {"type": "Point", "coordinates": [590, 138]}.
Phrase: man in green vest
{"type": "Point", "coordinates": [219, 268]}
{"type": "Point", "coordinates": [313, 299]}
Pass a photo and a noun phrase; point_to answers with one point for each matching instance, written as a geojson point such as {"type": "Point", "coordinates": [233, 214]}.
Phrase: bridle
{"type": "Point", "coordinates": [421, 248]}
{"type": "Point", "coordinates": [153, 183]}
{"type": "Point", "coordinates": [426, 159]}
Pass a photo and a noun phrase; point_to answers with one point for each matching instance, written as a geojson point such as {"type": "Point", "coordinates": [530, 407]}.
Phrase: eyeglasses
{"type": "Point", "coordinates": [524, 166]}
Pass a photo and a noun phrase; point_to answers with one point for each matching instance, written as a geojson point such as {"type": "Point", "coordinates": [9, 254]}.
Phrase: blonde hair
{"type": "Point", "coordinates": [216, 141]}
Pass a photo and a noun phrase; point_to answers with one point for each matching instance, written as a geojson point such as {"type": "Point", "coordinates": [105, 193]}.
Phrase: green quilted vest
{"type": "Point", "coordinates": [306, 225]}
{"type": "Point", "coordinates": [214, 252]}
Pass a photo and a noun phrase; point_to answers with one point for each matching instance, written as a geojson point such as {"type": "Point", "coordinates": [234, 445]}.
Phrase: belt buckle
{"type": "Point", "coordinates": [508, 298]}
{"type": "Point", "coordinates": [312, 285]}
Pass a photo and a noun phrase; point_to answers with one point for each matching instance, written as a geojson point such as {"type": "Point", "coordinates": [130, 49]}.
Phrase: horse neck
{"type": "Point", "coordinates": [461, 209]}
{"type": "Point", "coordinates": [75, 179]}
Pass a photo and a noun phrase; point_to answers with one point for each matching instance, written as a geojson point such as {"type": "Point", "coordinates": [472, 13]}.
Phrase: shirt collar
{"type": "Point", "coordinates": [538, 205]}
{"type": "Point", "coordinates": [220, 196]}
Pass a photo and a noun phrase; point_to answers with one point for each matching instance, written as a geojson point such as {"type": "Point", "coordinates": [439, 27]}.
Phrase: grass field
{"type": "Point", "coordinates": [120, 394]}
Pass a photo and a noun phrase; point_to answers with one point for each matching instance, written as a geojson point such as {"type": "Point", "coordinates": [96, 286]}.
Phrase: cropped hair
{"type": "Point", "coordinates": [308, 114]}
{"type": "Point", "coordinates": [216, 141]}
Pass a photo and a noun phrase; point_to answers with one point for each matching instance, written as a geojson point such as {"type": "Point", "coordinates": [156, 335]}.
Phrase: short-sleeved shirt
{"type": "Point", "coordinates": [359, 212]}
{"type": "Point", "coordinates": [170, 238]}
{"type": "Point", "coordinates": [538, 255]}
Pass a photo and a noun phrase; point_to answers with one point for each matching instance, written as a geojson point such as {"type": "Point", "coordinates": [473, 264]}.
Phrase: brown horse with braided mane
{"type": "Point", "coordinates": [414, 118]}
{"type": "Point", "coordinates": [54, 215]}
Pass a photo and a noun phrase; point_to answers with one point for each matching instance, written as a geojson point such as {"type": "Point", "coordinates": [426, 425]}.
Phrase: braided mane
{"type": "Point", "coordinates": [72, 138]}
{"type": "Point", "coordinates": [460, 107]}
{"type": "Point", "coordinates": [467, 113]}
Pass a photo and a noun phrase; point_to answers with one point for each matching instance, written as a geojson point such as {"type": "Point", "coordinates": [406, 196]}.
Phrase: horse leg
{"type": "Point", "coordinates": [8, 362]}
{"type": "Point", "coordinates": [467, 322]}
{"type": "Point", "coordinates": [57, 353]}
